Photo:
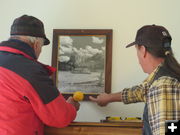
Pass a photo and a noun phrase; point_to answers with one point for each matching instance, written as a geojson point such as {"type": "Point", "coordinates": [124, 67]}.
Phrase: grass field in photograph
{"type": "Point", "coordinates": [87, 83]}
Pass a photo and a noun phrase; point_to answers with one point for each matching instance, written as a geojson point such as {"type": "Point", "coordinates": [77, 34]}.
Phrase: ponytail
{"type": "Point", "coordinates": [172, 63]}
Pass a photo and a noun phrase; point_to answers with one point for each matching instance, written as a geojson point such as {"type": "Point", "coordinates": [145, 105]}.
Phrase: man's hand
{"type": "Point", "coordinates": [102, 99]}
{"type": "Point", "coordinates": [73, 102]}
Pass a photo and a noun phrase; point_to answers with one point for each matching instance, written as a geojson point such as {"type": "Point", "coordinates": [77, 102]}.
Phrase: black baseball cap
{"type": "Point", "coordinates": [152, 36]}
{"type": "Point", "coordinates": [30, 26]}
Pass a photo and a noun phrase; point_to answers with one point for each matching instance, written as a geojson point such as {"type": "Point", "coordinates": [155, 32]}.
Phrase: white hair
{"type": "Point", "coordinates": [30, 39]}
{"type": "Point", "coordinates": [33, 39]}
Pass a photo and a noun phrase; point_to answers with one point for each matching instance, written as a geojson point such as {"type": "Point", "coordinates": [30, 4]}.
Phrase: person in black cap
{"type": "Point", "coordinates": [161, 90]}
{"type": "Point", "coordinates": [28, 97]}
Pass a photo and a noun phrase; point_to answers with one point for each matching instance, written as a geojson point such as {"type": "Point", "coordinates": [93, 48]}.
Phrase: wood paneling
{"type": "Point", "coordinates": [93, 128]}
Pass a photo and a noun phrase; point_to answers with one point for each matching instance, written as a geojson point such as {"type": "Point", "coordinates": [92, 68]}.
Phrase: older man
{"type": "Point", "coordinates": [28, 97]}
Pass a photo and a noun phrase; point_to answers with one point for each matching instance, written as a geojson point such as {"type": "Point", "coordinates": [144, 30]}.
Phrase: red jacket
{"type": "Point", "coordinates": [28, 97]}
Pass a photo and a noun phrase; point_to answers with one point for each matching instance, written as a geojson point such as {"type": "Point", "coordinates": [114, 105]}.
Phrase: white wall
{"type": "Point", "coordinates": [123, 16]}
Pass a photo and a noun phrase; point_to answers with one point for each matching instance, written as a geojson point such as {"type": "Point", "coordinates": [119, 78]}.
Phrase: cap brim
{"type": "Point", "coordinates": [131, 44]}
{"type": "Point", "coordinates": [46, 41]}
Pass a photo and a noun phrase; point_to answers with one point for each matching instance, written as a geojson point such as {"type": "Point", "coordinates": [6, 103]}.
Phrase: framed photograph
{"type": "Point", "coordinates": [83, 58]}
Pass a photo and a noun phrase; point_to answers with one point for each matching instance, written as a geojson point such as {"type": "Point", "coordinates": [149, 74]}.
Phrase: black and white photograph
{"type": "Point", "coordinates": [80, 57]}
{"type": "Point", "coordinates": [81, 63]}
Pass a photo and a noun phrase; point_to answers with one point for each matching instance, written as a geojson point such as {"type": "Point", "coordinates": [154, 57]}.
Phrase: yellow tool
{"type": "Point", "coordinates": [132, 118]}
{"type": "Point", "coordinates": [78, 96]}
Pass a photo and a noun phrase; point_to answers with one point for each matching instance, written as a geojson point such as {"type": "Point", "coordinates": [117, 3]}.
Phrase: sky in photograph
{"type": "Point", "coordinates": [86, 46]}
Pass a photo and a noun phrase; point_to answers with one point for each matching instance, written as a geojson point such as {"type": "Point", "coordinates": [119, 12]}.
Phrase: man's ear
{"type": "Point", "coordinates": [35, 46]}
{"type": "Point", "coordinates": [143, 51]}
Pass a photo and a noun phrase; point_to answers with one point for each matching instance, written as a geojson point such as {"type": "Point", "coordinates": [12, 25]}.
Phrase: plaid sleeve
{"type": "Point", "coordinates": [163, 103]}
{"type": "Point", "coordinates": [135, 94]}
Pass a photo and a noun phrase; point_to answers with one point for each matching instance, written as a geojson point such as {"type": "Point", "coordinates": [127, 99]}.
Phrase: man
{"type": "Point", "coordinates": [28, 97]}
{"type": "Point", "coordinates": [161, 90]}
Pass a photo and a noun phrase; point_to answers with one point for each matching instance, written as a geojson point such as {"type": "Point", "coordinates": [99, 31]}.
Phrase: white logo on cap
{"type": "Point", "coordinates": [164, 33]}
